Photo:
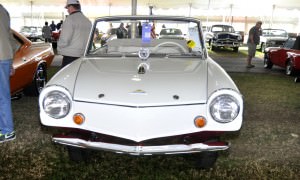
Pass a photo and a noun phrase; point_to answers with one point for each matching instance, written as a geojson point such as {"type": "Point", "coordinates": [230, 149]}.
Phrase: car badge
{"type": "Point", "coordinates": [144, 53]}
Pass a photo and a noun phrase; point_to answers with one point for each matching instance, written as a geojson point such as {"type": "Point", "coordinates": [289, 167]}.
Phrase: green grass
{"type": "Point", "coordinates": [267, 147]}
{"type": "Point", "coordinates": [228, 52]}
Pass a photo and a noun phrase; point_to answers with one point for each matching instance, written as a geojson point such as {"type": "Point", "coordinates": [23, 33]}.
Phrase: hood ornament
{"type": "Point", "coordinates": [144, 54]}
{"type": "Point", "coordinates": [143, 67]}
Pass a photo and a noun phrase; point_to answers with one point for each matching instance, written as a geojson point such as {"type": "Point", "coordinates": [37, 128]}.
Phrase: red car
{"type": "Point", "coordinates": [287, 56]}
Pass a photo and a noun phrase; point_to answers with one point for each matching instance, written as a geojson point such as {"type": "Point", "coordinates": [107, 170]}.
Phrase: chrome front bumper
{"type": "Point", "coordinates": [140, 150]}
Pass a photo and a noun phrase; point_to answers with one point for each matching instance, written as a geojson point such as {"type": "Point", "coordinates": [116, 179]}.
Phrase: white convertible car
{"type": "Point", "coordinates": [141, 95]}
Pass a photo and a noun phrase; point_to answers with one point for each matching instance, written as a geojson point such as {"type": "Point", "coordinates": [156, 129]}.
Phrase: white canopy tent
{"type": "Point", "coordinates": [241, 13]}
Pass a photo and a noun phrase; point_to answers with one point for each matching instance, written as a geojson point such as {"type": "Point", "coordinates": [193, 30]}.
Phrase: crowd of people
{"type": "Point", "coordinates": [48, 30]}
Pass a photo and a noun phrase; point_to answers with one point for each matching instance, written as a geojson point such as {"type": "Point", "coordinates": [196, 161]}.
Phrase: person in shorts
{"type": "Point", "coordinates": [253, 41]}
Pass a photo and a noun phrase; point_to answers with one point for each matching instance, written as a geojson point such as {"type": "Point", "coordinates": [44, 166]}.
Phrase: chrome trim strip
{"type": "Point", "coordinates": [139, 150]}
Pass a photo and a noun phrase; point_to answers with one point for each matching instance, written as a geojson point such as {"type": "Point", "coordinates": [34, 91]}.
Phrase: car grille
{"type": "Point", "coordinates": [227, 36]}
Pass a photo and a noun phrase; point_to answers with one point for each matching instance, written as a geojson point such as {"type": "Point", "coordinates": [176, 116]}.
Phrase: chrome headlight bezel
{"type": "Point", "coordinates": [55, 102]}
{"type": "Point", "coordinates": [225, 105]}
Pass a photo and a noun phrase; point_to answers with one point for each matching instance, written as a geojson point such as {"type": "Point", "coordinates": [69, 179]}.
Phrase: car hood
{"type": "Point", "coordinates": [274, 38]}
{"type": "Point", "coordinates": [161, 81]}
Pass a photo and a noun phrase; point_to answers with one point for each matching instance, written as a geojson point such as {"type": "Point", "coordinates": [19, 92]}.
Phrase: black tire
{"type": "Point", "coordinates": [236, 49]}
{"type": "Point", "coordinates": [209, 43]}
{"type": "Point", "coordinates": [213, 48]}
{"type": "Point", "coordinates": [204, 160]}
{"type": "Point", "coordinates": [77, 154]}
{"type": "Point", "coordinates": [289, 68]}
{"type": "Point", "coordinates": [267, 62]}
{"type": "Point", "coordinates": [38, 82]}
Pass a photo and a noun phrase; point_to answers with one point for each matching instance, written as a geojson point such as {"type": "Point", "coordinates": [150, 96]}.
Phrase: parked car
{"type": "Point", "coordinates": [33, 33]}
{"type": "Point", "coordinates": [144, 96]}
{"type": "Point", "coordinates": [220, 35]}
{"type": "Point", "coordinates": [171, 33]}
{"type": "Point", "coordinates": [287, 56]}
{"type": "Point", "coordinates": [30, 62]}
{"type": "Point", "coordinates": [272, 38]}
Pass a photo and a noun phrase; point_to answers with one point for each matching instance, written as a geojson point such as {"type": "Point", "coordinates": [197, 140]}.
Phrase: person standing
{"type": "Point", "coordinates": [253, 41]}
{"type": "Point", "coordinates": [58, 26]}
{"type": "Point", "coordinates": [74, 33]}
{"type": "Point", "coordinates": [121, 32]}
{"type": "Point", "coordinates": [7, 49]}
{"type": "Point", "coordinates": [47, 32]}
{"type": "Point", "coordinates": [53, 26]}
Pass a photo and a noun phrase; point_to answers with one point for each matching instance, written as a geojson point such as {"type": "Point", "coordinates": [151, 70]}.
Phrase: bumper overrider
{"type": "Point", "coordinates": [196, 142]}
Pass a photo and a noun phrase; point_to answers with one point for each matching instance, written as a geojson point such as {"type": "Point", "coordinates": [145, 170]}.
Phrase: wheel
{"type": "Point", "coordinates": [157, 47]}
{"type": "Point", "coordinates": [38, 83]}
{"type": "Point", "coordinates": [77, 154]}
{"type": "Point", "coordinates": [209, 43]}
{"type": "Point", "coordinates": [204, 160]}
{"type": "Point", "coordinates": [236, 49]}
{"type": "Point", "coordinates": [267, 62]}
{"type": "Point", "coordinates": [213, 48]}
{"type": "Point", "coordinates": [289, 68]}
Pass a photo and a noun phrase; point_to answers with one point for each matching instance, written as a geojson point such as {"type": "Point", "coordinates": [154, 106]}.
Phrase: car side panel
{"type": "Point", "coordinates": [26, 61]}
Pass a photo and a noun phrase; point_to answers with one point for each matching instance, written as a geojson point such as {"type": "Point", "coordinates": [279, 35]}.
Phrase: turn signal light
{"type": "Point", "coordinates": [78, 118]}
{"type": "Point", "coordinates": [200, 121]}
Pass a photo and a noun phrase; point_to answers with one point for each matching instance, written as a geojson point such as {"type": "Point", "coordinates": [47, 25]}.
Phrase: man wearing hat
{"type": "Point", "coordinates": [74, 34]}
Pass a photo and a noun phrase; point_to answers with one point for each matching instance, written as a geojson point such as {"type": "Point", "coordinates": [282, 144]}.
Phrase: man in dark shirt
{"type": "Point", "coordinates": [53, 26]}
{"type": "Point", "coordinates": [253, 41]}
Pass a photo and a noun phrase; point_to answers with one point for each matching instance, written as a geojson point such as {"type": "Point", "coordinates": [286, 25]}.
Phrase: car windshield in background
{"type": "Point", "coordinates": [29, 29]}
{"type": "Point", "coordinates": [152, 37]}
{"type": "Point", "coordinates": [289, 43]}
{"type": "Point", "coordinates": [222, 28]}
{"type": "Point", "coordinates": [274, 33]}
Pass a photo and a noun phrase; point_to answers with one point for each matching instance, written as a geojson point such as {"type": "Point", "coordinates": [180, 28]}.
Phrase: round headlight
{"type": "Point", "coordinates": [224, 108]}
{"type": "Point", "coordinates": [56, 104]}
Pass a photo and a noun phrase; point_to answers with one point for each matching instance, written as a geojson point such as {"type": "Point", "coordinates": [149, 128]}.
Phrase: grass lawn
{"type": "Point", "coordinates": [267, 147]}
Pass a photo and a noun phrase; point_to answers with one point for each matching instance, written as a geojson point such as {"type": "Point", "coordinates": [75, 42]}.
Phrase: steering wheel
{"type": "Point", "coordinates": [182, 49]}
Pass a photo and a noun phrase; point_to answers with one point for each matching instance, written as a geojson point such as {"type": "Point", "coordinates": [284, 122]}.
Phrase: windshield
{"type": "Point", "coordinates": [30, 29]}
{"type": "Point", "coordinates": [274, 33]}
{"type": "Point", "coordinates": [153, 37]}
{"type": "Point", "coordinates": [222, 28]}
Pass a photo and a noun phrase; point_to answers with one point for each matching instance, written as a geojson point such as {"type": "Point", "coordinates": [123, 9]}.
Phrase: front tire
{"type": "Point", "coordinates": [204, 160]}
{"type": "Point", "coordinates": [38, 83]}
{"type": "Point", "coordinates": [267, 62]}
{"type": "Point", "coordinates": [77, 154]}
{"type": "Point", "coordinates": [236, 49]}
{"type": "Point", "coordinates": [289, 68]}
